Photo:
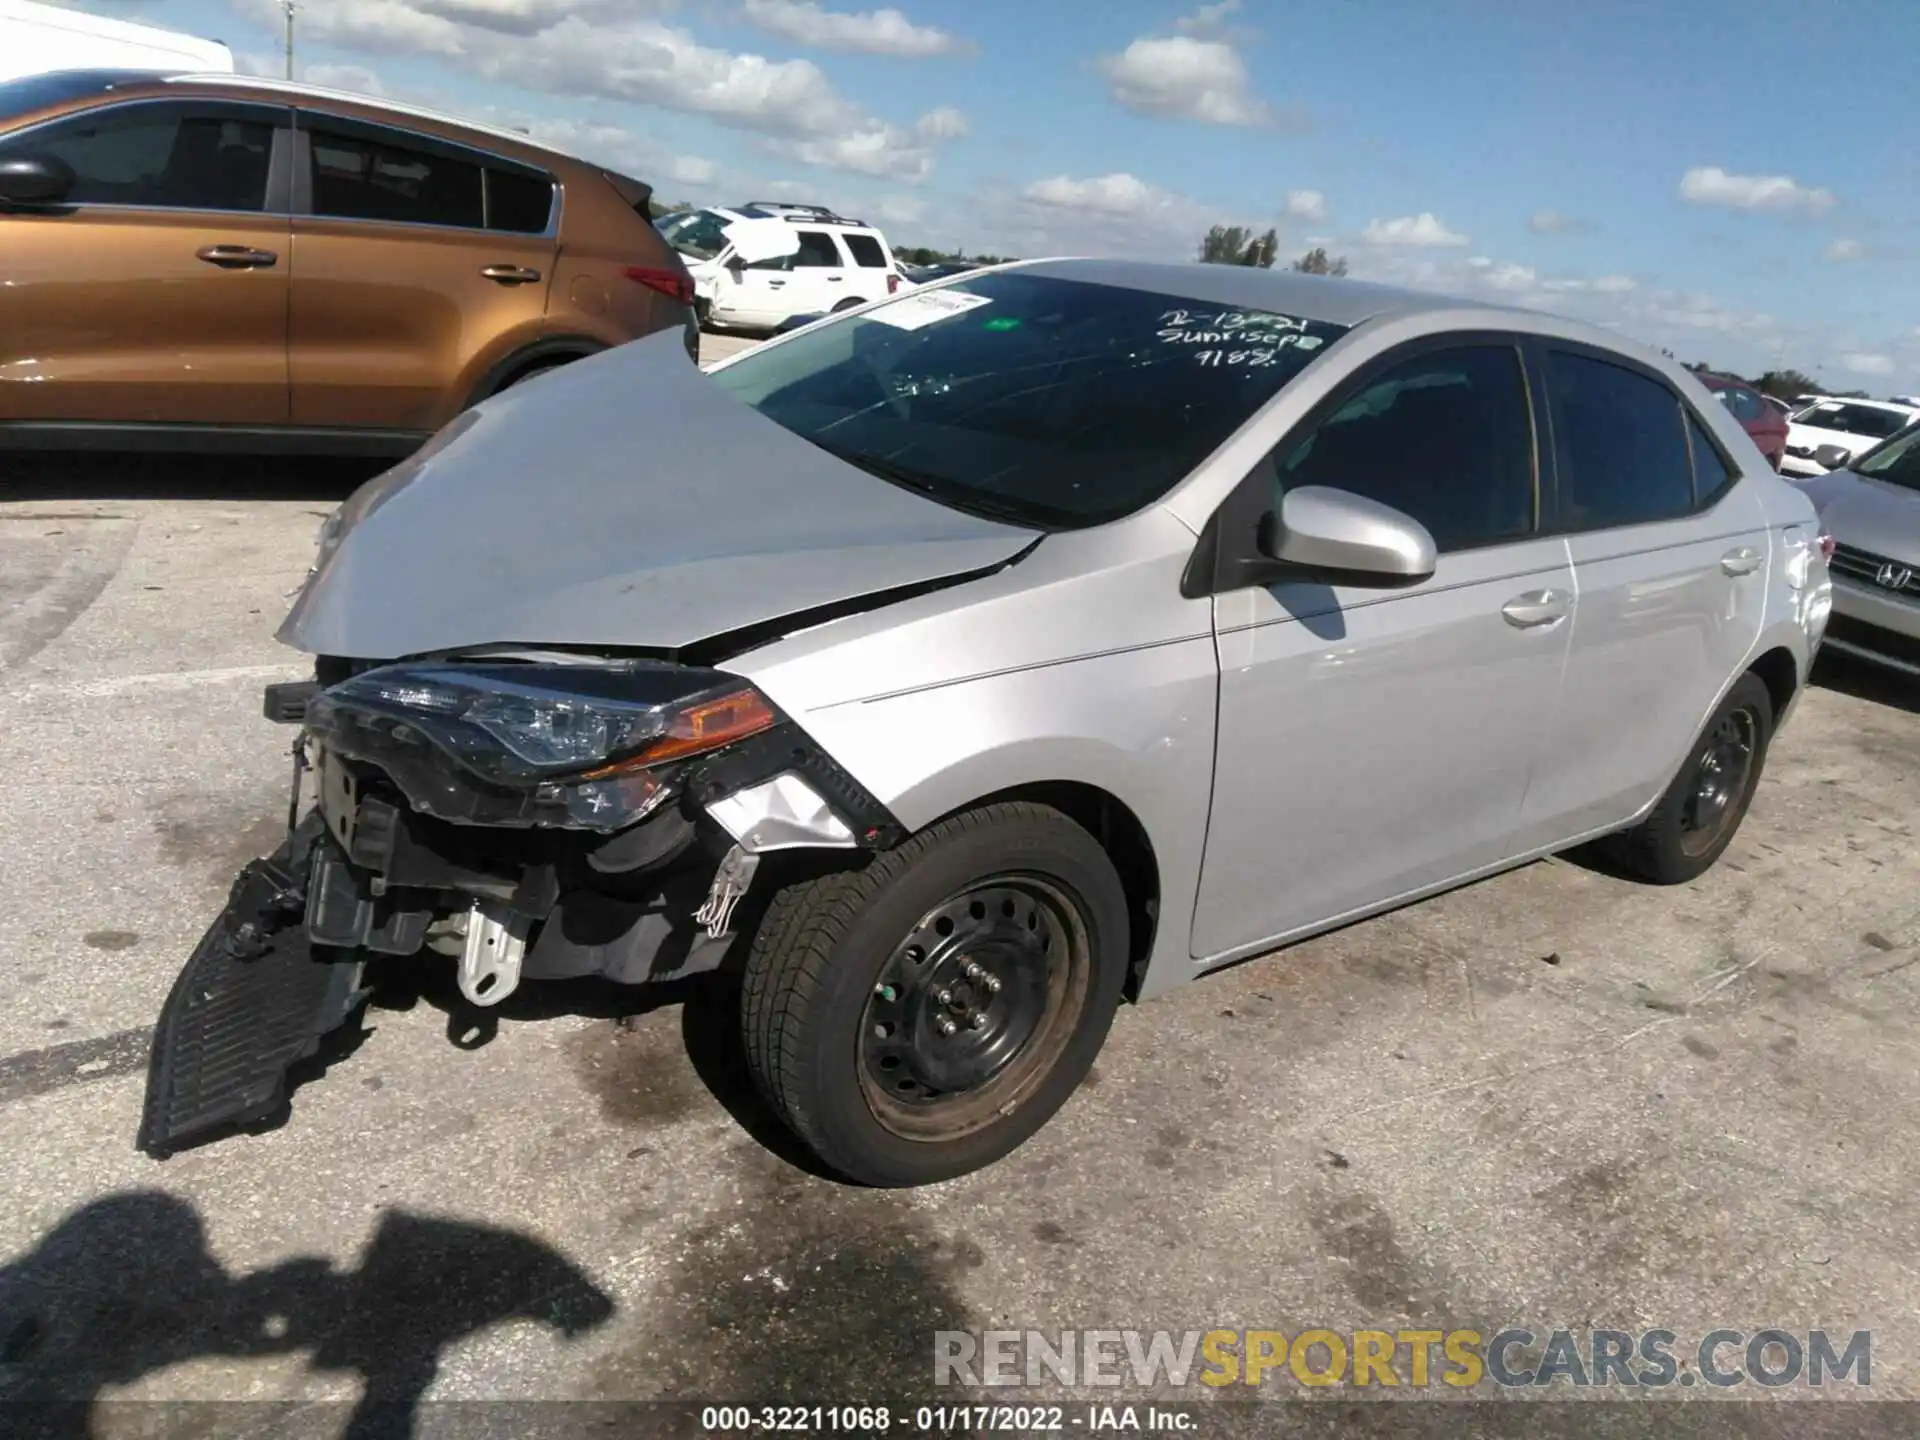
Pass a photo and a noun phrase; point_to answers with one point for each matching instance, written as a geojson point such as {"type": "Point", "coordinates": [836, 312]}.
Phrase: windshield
{"type": "Point", "coordinates": [1050, 403]}
{"type": "Point", "coordinates": [1897, 462]}
{"type": "Point", "coordinates": [699, 233]}
{"type": "Point", "coordinates": [1854, 419]}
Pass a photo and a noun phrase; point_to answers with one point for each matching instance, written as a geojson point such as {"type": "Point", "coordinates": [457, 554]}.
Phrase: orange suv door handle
{"type": "Point", "coordinates": [236, 257]}
{"type": "Point", "coordinates": [510, 274]}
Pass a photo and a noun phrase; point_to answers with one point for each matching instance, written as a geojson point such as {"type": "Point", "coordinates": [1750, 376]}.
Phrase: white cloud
{"type": "Point", "coordinates": [867, 32]}
{"type": "Point", "coordinates": [1424, 229]}
{"type": "Point", "coordinates": [906, 209]}
{"type": "Point", "coordinates": [357, 78]}
{"type": "Point", "coordinates": [1178, 77]}
{"type": "Point", "coordinates": [692, 170]}
{"type": "Point", "coordinates": [612, 49]}
{"type": "Point", "coordinates": [1612, 284]}
{"type": "Point", "coordinates": [1710, 185]}
{"type": "Point", "coordinates": [1307, 205]}
{"type": "Point", "coordinates": [1116, 194]}
{"type": "Point", "coordinates": [1844, 249]}
{"type": "Point", "coordinates": [1210, 21]}
{"type": "Point", "coordinates": [1862, 362]}
{"type": "Point", "coordinates": [1553, 222]}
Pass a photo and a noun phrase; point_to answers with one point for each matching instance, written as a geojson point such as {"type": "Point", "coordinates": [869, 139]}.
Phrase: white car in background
{"type": "Point", "coordinates": [757, 266]}
{"type": "Point", "coordinates": [1855, 426]}
{"type": "Point", "coordinates": [37, 39]}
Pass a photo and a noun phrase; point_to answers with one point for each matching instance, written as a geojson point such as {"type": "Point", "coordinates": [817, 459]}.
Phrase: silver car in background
{"type": "Point", "coordinates": [1871, 507]}
{"type": "Point", "coordinates": [945, 673]}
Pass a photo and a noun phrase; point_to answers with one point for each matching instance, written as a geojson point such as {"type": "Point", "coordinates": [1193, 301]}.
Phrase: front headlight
{"type": "Point", "coordinates": [579, 747]}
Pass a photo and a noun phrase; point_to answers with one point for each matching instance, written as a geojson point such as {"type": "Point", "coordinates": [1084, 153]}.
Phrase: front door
{"type": "Point", "coordinates": [156, 291]}
{"type": "Point", "coordinates": [400, 288]}
{"type": "Point", "coordinates": [1670, 555]}
{"type": "Point", "coordinates": [1375, 742]}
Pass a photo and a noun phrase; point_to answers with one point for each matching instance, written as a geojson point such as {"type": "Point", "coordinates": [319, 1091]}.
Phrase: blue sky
{"type": "Point", "coordinates": [1675, 169]}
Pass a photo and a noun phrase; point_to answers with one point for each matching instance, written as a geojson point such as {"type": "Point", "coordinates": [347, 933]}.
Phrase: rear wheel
{"type": "Point", "coordinates": [923, 1016]}
{"type": "Point", "coordinates": [1702, 809]}
{"type": "Point", "coordinates": [850, 303]}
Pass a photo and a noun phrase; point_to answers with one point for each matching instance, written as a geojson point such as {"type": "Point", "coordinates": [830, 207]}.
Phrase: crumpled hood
{"type": "Point", "coordinates": [622, 501]}
{"type": "Point", "coordinates": [1868, 514]}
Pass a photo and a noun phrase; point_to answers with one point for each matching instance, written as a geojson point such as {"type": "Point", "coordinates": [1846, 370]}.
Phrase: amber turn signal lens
{"type": "Point", "coordinates": [705, 726]}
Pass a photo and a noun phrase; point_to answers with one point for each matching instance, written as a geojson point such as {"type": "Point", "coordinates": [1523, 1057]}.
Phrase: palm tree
{"type": "Point", "coordinates": [1238, 245]}
{"type": "Point", "coordinates": [1317, 262]}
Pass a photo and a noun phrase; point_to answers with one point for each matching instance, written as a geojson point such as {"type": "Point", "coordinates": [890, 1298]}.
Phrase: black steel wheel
{"type": "Point", "coordinates": [1697, 817]}
{"type": "Point", "coordinates": [920, 1017]}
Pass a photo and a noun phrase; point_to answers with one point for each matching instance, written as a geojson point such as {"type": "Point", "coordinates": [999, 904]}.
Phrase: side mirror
{"type": "Point", "coordinates": [1833, 457]}
{"type": "Point", "coordinates": [1341, 538]}
{"type": "Point", "coordinates": [34, 179]}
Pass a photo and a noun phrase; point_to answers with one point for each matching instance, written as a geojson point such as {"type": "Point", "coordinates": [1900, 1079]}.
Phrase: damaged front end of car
{"type": "Point", "coordinates": [530, 815]}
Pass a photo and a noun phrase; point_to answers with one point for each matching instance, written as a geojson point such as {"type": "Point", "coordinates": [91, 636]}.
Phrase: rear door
{"type": "Point", "coordinates": [873, 274]}
{"type": "Point", "coordinates": [157, 292]}
{"type": "Point", "coordinates": [821, 273]}
{"type": "Point", "coordinates": [1670, 555]}
{"type": "Point", "coordinates": [401, 287]}
{"type": "Point", "coordinates": [1375, 742]}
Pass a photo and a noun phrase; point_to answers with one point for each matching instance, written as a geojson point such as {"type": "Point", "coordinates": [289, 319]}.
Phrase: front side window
{"type": "Point", "coordinates": [356, 177]}
{"type": "Point", "coordinates": [167, 156]}
{"type": "Point", "coordinates": [1047, 402]}
{"type": "Point", "coordinates": [700, 234]}
{"type": "Point", "coordinates": [817, 251]}
{"type": "Point", "coordinates": [1445, 437]}
{"type": "Point", "coordinates": [1621, 444]}
{"type": "Point", "coordinates": [866, 252]}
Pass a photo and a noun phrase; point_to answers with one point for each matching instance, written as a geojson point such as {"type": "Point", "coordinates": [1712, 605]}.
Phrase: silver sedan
{"type": "Point", "coordinates": [944, 673]}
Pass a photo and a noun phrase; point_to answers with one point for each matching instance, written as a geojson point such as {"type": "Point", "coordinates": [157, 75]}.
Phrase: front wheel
{"type": "Point", "coordinates": [1696, 819]}
{"type": "Point", "coordinates": [922, 1016]}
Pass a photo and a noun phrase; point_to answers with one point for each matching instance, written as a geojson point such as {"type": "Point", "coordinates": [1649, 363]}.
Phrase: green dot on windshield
{"type": "Point", "coordinates": [1003, 322]}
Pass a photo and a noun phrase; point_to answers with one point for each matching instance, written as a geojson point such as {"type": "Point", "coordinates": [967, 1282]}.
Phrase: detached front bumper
{"type": "Point", "coordinates": [365, 873]}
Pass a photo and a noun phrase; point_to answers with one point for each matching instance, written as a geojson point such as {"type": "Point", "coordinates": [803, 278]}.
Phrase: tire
{"type": "Point", "coordinates": [1676, 842]}
{"type": "Point", "coordinates": [841, 1020]}
{"type": "Point", "coordinates": [851, 302]}
{"type": "Point", "coordinates": [532, 372]}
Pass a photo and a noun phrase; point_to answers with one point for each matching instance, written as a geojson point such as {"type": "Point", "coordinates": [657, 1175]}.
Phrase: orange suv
{"type": "Point", "coordinates": [213, 261]}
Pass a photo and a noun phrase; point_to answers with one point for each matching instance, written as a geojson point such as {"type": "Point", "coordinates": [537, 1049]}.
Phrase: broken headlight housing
{"type": "Point", "coordinates": [578, 747]}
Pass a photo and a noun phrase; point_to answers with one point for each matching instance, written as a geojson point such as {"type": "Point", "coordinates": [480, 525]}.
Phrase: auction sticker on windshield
{"type": "Point", "coordinates": [913, 311]}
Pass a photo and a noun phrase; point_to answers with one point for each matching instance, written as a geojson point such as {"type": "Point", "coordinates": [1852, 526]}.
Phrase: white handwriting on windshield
{"type": "Point", "coordinates": [1235, 337]}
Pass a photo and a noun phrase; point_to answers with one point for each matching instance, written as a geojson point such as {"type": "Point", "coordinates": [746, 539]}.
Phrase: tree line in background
{"type": "Point", "coordinates": [1239, 245]}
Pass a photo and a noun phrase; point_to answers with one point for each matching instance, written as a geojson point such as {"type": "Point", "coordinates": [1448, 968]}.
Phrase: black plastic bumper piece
{"type": "Point", "coordinates": [251, 1003]}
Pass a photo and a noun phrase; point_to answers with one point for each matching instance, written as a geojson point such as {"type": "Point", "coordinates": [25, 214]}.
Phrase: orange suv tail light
{"type": "Point", "coordinates": [667, 282]}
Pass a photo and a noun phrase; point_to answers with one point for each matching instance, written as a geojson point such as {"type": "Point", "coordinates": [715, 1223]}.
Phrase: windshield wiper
{"type": "Point", "coordinates": [938, 487]}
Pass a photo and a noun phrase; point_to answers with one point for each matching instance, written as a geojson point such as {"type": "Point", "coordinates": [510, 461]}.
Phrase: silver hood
{"type": "Point", "coordinates": [1872, 515]}
{"type": "Point", "coordinates": [625, 500]}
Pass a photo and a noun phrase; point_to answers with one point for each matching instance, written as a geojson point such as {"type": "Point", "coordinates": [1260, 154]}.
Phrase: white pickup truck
{"type": "Point", "coordinates": [36, 38]}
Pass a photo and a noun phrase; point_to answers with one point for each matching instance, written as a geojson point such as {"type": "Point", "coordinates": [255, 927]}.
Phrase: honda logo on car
{"type": "Point", "coordinates": [1893, 577]}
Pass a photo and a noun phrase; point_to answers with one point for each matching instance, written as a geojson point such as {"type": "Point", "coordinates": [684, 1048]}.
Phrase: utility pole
{"type": "Point", "coordinates": [289, 7]}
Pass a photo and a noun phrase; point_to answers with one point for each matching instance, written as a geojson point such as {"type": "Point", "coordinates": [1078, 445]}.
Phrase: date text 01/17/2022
{"type": "Point", "coordinates": [947, 1419]}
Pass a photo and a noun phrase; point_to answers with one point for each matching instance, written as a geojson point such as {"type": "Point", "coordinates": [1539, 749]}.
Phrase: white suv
{"type": "Point", "coordinates": [817, 262]}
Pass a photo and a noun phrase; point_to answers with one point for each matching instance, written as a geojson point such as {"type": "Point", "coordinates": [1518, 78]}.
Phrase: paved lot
{"type": "Point", "coordinates": [1555, 1098]}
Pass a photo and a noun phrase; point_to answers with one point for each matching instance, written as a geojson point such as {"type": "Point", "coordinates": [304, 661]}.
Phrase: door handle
{"type": "Point", "coordinates": [835, 279]}
{"type": "Point", "coordinates": [236, 257]}
{"type": "Point", "coordinates": [776, 284]}
{"type": "Point", "coordinates": [510, 274]}
{"type": "Point", "coordinates": [1536, 607]}
{"type": "Point", "coordinates": [1743, 561]}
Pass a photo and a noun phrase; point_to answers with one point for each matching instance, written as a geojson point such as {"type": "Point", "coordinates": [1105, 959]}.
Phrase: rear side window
{"type": "Point", "coordinates": [356, 177]}
{"type": "Point", "coordinates": [1742, 403]}
{"type": "Point", "coordinates": [167, 156]}
{"type": "Point", "coordinates": [1445, 437]}
{"type": "Point", "coordinates": [518, 202]}
{"type": "Point", "coordinates": [817, 251]}
{"type": "Point", "coordinates": [1712, 476]}
{"type": "Point", "coordinates": [1620, 440]}
{"type": "Point", "coordinates": [1854, 419]}
{"type": "Point", "coordinates": [866, 252]}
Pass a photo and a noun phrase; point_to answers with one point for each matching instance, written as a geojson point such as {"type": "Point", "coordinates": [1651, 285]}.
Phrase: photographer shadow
{"type": "Point", "coordinates": [127, 1285]}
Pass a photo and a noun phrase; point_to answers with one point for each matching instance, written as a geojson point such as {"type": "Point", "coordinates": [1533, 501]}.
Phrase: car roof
{"type": "Point", "coordinates": [296, 90]}
{"type": "Point", "coordinates": [1888, 406]}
